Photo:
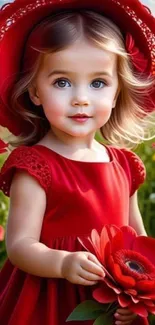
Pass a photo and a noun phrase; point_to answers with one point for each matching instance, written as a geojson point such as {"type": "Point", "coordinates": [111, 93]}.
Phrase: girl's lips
{"type": "Point", "coordinates": [80, 118]}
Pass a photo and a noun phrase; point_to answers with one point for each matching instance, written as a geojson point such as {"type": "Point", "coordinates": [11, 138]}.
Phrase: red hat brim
{"type": "Point", "coordinates": [18, 18]}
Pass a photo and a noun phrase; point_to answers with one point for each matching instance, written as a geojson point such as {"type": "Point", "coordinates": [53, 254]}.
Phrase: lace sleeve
{"type": "Point", "coordinates": [137, 170]}
{"type": "Point", "coordinates": [28, 159]}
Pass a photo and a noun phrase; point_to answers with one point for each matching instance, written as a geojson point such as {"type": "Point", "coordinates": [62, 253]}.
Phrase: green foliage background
{"type": "Point", "coordinates": [146, 198]}
{"type": "Point", "coordinates": [147, 191]}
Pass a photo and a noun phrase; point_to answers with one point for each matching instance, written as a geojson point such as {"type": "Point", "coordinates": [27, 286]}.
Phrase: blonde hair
{"type": "Point", "coordinates": [128, 124]}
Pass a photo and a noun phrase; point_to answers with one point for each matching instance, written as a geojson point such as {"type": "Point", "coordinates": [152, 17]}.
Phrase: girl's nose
{"type": "Point", "coordinates": [80, 100]}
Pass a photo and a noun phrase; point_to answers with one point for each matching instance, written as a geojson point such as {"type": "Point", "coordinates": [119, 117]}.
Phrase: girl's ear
{"type": "Point", "coordinates": [34, 95]}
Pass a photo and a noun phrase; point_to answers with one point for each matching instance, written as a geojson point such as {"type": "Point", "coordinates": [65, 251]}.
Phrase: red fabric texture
{"type": "Point", "coordinates": [91, 194]}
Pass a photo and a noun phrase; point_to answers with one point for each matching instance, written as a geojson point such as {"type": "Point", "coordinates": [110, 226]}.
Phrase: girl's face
{"type": "Point", "coordinates": [81, 79]}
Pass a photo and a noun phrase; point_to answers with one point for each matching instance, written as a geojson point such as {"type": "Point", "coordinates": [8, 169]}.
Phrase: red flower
{"type": "Point", "coordinates": [129, 264]}
{"type": "Point", "coordinates": [1, 233]}
{"type": "Point", "coordinates": [3, 146]}
{"type": "Point", "coordinates": [137, 58]}
{"type": "Point", "coordinates": [153, 145]}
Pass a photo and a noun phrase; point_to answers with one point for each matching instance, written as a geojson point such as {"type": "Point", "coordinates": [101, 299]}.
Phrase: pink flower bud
{"type": "Point", "coordinates": [1, 233]}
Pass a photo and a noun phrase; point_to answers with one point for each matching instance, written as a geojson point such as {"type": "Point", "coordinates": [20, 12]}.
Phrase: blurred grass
{"type": "Point", "coordinates": [146, 192]}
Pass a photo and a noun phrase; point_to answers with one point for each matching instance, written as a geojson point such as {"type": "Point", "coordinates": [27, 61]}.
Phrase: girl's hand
{"type": "Point", "coordinates": [82, 268]}
{"type": "Point", "coordinates": [124, 316]}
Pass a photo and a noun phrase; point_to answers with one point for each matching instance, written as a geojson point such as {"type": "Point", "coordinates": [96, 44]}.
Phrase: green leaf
{"type": "Point", "coordinates": [104, 319]}
{"type": "Point", "coordinates": [87, 310]}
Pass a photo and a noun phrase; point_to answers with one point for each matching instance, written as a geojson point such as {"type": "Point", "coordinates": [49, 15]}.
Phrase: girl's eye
{"type": "Point", "coordinates": [62, 83]}
{"type": "Point", "coordinates": [98, 84]}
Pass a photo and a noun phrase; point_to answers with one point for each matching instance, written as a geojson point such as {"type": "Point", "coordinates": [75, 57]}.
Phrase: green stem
{"type": "Point", "coordinates": [111, 310]}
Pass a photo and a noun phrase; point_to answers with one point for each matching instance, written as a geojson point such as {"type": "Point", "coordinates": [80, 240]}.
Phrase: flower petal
{"type": "Point", "coordinates": [148, 296]}
{"type": "Point", "coordinates": [139, 309]}
{"type": "Point", "coordinates": [89, 246]}
{"type": "Point", "coordinates": [104, 294]}
{"type": "Point", "coordinates": [107, 233]}
{"type": "Point", "coordinates": [135, 300]}
{"type": "Point", "coordinates": [125, 280]}
{"type": "Point", "coordinates": [117, 242]}
{"type": "Point", "coordinates": [149, 303]}
{"type": "Point", "coordinates": [151, 310]}
{"type": "Point", "coordinates": [146, 247]}
{"type": "Point", "coordinates": [86, 243]}
{"type": "Point", "coordinates": [112, 230]}
{"type": "Point", "coordinates": [145, 285]}
{"type": "Point", "coordinates": [112, 285]}
{"type": "Point", "coordinates": [105, 245]}
{"type": "Point", "coordinates": [110, 266]}
{"type": "Point", "coordinates": [95, 238]}
{"type": "Point", "coordinates": [124, 300]}
{"type": "Point", "coordinates": [131, 292]}
{"type": "Point", "coordinates": [129, 235]}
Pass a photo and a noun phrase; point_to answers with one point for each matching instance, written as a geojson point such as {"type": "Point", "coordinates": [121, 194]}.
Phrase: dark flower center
{"type": "Point", "coordinates": [134, 264]}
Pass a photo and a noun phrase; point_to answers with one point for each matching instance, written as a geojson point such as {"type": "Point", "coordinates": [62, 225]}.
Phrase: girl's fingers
{"type": "Point", "coordinates": [85, 282]}
{"type": "Point", "coordinates": [94, 259]}
{"type": "Point", "coordinates": [124, 311]}
{"type": "Point", "coordinates": [91, 267]}
{"type": "Point", "coordinates": [125, 318]}
{"type": "Point", "coordinates": [89, 276]}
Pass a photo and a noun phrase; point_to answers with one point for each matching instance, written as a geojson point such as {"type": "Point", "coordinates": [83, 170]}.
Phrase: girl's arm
{"type": "Point", "coordinates": [27, 209]}
{"type": "Point", "coordinates": [135, 219]}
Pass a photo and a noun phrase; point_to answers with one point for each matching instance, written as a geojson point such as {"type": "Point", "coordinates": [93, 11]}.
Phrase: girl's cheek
{"type": "Point", "coordinates": [104, 109]}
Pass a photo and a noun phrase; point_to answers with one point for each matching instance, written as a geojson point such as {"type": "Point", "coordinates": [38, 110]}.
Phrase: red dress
{"type": "Point", "coordinates": [80, 196]}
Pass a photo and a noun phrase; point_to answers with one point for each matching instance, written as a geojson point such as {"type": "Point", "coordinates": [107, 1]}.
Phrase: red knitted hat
{"type": "Point", "coordinates": [19, 18]}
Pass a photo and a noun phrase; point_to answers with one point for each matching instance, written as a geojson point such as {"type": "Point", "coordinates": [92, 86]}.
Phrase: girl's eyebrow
{"type": "Point", "coordinates": [105, 73]}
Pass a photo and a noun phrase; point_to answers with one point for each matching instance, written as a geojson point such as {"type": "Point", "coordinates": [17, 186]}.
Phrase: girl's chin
{"type": "Point", "coordinates": [81, 134]}
{"type": "Point", "coordinates": [78, 132]}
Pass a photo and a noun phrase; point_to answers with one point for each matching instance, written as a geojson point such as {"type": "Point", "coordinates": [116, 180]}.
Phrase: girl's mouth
{"type": "Point", "coordinates": [80, 117]}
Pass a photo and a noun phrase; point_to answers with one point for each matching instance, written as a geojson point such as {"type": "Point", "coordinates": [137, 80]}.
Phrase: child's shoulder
{"type": "Point", "coordinates": [132, 165]}
{"type": "Point", "coordinates": [127, 155]}
{"type": "Point", "coordinates": [28, 159]}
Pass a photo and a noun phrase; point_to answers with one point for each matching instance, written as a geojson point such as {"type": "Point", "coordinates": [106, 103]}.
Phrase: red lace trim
{"type": "Point", "coordinates": [26, 158]}
{"type": "Point", "coordinates": [147, 31]}
{"type": "Point", "coordinates": [138, 171]}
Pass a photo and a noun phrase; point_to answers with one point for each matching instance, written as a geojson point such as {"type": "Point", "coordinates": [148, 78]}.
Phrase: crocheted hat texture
{"type": "Point", "coordinates": [17, 20]}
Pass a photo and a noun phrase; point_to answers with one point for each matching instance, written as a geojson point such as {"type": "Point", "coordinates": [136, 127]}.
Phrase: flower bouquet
{"type": "Point", "coordinates": [129, 264]}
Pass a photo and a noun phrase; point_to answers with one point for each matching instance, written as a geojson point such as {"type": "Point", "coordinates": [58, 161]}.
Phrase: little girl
{"type": "Point", "coordinates": [70, 69]}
